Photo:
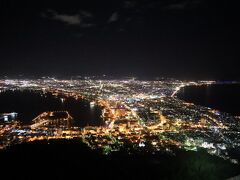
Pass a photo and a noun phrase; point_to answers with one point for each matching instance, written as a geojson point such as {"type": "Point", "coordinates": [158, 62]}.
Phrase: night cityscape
{"type": "Point", "coordinates": [130, 89]}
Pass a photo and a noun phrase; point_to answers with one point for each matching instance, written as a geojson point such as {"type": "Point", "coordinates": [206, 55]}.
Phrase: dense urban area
{"type": "Point", "coordinates": [140, 115]}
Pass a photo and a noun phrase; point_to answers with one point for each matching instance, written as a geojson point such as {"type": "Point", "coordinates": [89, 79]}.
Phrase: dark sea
{"type": "Point", "coordinates": [29, 104]}
{"type": "Point", "coordinates": [222, 97]}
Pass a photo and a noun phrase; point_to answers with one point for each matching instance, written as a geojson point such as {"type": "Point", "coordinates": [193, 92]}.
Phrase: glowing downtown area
{"type": "Point", "coordinates": [141, 115]}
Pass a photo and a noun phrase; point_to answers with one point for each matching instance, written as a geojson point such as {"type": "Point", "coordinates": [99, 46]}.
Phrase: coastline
{"type": "Point", "coordinates": [210, 104]}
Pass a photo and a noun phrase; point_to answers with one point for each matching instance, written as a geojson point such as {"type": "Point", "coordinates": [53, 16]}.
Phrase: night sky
{"type": "Point", "coordinates": [191, 39]}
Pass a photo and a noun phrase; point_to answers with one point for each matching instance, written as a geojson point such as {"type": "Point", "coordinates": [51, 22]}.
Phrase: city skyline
{"type": "Point", "coordinates": [133, 113]}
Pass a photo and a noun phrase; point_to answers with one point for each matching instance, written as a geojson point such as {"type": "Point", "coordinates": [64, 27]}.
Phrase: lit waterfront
{"type": "Point", "coordinates": [145, 114]}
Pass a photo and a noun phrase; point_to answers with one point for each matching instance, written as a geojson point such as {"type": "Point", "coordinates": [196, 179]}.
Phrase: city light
{"type": "Point", "coordinates": [136, 111]}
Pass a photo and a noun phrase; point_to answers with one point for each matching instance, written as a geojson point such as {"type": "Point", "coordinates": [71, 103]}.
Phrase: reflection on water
{"type": "Point", "coordinates": [28, 104]}
{"type": "Point", "coordinates": [222, 97]}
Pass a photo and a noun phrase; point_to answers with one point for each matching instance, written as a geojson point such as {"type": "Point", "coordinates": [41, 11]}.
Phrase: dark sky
{"type": "Point", "coordinates": [181, 39]}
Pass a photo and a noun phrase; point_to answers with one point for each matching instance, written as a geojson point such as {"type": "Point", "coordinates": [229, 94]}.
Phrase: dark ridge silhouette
{"type": "Point", "coordinates": [71, 159]}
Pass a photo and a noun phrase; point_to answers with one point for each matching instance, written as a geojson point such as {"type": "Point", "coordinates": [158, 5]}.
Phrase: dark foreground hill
{"type": "Point", "coordinates": [71, 159]}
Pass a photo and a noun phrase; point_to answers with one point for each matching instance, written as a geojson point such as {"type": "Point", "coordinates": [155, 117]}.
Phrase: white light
{"type": "Point", "coordinates": [5, 118]}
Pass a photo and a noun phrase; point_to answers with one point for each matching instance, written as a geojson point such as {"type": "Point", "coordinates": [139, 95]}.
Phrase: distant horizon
{"type": "Point", "coordinates": [117, 77]}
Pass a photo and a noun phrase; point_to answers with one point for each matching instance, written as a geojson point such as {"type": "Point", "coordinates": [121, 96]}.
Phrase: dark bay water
{"type": "Point", "coordinates": [28, 104]}
{"type": "Point", "coordinates": [224, 97]}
